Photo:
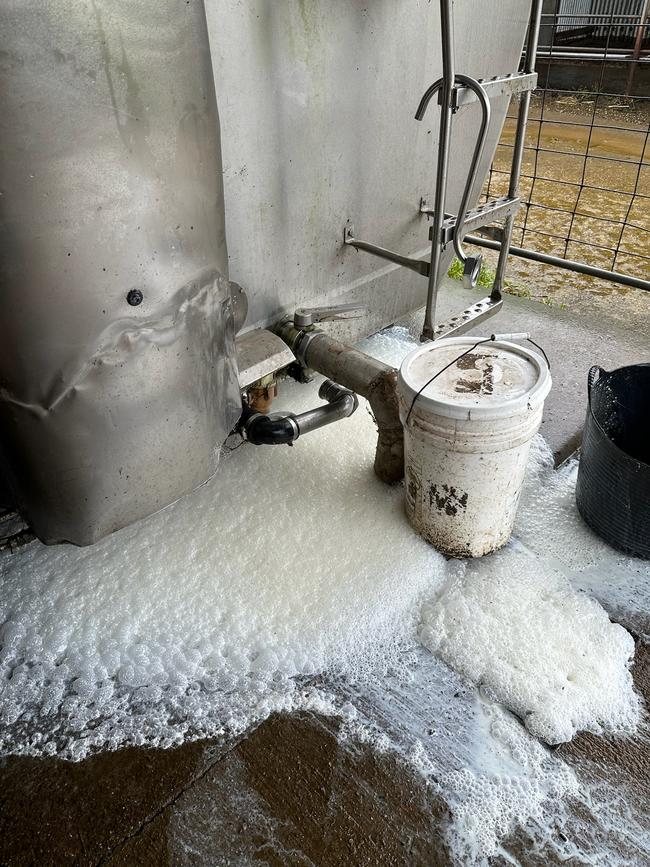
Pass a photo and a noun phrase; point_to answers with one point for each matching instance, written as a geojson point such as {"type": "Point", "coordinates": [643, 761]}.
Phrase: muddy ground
{"type": "Point", "coordinates": [563, 202]}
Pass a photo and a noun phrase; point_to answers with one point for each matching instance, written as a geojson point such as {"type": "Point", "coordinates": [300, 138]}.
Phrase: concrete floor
{"type": "Point", "coordinates": [290, 792]}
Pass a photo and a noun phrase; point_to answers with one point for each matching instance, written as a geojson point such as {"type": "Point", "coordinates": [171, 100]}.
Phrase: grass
{"type": "Point", "coordinates": [485, 278]}
{"type": "Point", "coordinates": [486, 281]}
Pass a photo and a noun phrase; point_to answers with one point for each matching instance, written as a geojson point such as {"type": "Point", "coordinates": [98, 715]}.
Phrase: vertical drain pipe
{"type": "Point", "coordinates": [364, 375]}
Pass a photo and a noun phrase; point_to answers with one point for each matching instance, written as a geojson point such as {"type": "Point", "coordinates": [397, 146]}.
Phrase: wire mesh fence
{"type": "Point", "coordinates": [585, 183]}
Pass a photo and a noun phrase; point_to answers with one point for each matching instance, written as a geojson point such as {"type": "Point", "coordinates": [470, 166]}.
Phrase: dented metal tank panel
{"type": "Point", "coordinates": [118, 379]}
{"type": "Point", "coordinates": [317, 101]}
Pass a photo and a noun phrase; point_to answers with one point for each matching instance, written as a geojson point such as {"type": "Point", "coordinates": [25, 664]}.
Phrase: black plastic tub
{"type": "Point", "coordinates": [613, 490]}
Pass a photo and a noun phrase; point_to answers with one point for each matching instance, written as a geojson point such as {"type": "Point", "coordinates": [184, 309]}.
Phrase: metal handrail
{"type": "Point", "coordinates": [561, 262]}
{"type": "Point", "coordinates": [476, 86]}
{"type": "Point", "coordinates": [446, 86]}
{"type": "Point", "coordinates": [479, 90]}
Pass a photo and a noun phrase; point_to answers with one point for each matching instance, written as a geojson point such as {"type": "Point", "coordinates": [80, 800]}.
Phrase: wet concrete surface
{"type": "Point", "coordinates": [58, 812]}
{"type": "Point", "coordinates": [290, 793]}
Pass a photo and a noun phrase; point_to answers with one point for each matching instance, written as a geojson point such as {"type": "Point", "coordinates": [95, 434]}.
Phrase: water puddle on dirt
{"type": "Point", "coordinates": [582, 204]}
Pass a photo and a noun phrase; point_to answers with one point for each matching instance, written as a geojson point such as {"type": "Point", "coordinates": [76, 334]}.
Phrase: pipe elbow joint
{"type": "Point", "coordinates": [339, 396]}
{"type": "Point", "coordinates": [284, 429]}
{"type": "Point", "coordinates": [270, 430]}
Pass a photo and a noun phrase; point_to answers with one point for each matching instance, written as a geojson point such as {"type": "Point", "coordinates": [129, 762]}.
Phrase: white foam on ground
{"type": "Point", "coordinates": [507, 782]}
{"type": "Point", "coordinates": [476, 756]}
{"type": "Point", "coordinates": [297, 562]}
{"type": "Point", "coordinates": [550, 525]}
{"type": "Point", "coordinates": [291, 562]}
{"type": "Point", "coordinates": [549, 654]}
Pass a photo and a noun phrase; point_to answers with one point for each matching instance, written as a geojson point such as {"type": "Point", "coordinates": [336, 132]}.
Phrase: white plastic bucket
{"type": "Point", "coordinates": [467, 439]}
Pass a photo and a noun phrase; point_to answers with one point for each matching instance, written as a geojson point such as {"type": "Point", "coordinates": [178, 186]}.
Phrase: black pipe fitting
{"type": "Point", "coordinates": [284, 429]}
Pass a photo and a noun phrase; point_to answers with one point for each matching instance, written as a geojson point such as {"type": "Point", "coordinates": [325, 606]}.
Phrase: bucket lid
{"type": "Point", "coordinates": [495, 380]}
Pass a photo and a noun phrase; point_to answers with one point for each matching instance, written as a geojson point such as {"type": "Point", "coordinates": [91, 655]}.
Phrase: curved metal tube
{"type": "Point", "coordinates": [483, 98]}
{"type": "Point", "coordinates": [426, 98]}
{"type": "Point", "coordinates": [472, 263]}
{"type": "Point", "coordinates": [364, 375]}
{"type": "Point", "coordinates": [261, 429]}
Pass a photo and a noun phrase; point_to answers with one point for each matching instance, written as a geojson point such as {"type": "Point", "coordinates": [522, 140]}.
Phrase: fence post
{"type": "Point", "coordinates": [638, 42]}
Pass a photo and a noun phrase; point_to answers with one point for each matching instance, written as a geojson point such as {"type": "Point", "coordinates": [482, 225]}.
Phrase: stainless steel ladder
{"type": "Point", "coordinates": [454, 91]}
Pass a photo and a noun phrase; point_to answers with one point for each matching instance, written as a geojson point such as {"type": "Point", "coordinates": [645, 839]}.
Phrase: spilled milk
{"type": "Point", "coordinates": [294, 564]}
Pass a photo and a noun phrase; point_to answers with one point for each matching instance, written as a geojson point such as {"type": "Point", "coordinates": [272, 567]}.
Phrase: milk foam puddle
{"type": "Point", "coordinates": [294, 564]}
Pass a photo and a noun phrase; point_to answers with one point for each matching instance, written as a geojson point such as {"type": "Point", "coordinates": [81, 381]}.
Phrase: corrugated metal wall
{"type": "Point", "coordinates": [610, 8]}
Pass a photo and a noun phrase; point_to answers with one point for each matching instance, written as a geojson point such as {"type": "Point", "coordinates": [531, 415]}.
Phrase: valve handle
{"type": "Point", "coordinates": [306, 316]}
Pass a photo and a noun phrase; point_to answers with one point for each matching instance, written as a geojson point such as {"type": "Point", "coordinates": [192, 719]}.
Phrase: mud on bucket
{"type": "Point", "coordinates": [613, 488]}
{"type": "Point", "coordinates": [467, 438]}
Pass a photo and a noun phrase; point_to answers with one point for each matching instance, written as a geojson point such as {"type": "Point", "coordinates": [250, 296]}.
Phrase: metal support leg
{"type": "Point", "coordinates": [502, 262]}
{"type": "Point", "coordinates": [518, 149]}
{"type": "Point", "coordinates": [442, 168]}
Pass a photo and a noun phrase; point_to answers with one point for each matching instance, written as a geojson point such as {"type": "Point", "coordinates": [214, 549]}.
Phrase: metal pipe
{"type": "Point", "coordinates": [474, 85]}
{"type": "Point", "coordinates": [444, 142]}
{"type": "Point", "coordinates": [341, 403]}
{"type": "Point", "coordinates": [457, 237]}
{"type": "Point", "coordinates": [638, 43]}
{"type": "Point", "coordinates": [567, 264]}
{"type": "Point", "coordinates": [364, 375]}
{"type": "Point", "coordinates": [559, 55]}
{"type": "Point", "coordinates": [532, 43]}
{"type": "Point", "coordinates": [420, 266]}
{"type": "Point", "coordinates": [428, 95]}
{"type": "Point", "coordinates": [261, 429]}
{"type": "Point", "coordinates": [524, 104]}
{"type": "Point", "coordinates": [518, 146]}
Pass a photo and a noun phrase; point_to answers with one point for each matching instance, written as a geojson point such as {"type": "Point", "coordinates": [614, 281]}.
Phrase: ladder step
{"type": "Point", "coordinates": [469, 318]}
{"type": "Point", "coordinates": [500, 85]}
{"type": "Point", "coordinates": [482, 215]}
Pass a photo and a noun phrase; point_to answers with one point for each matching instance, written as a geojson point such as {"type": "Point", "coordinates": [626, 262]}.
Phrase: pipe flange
{"type": "Point", "coordinates": [302, 344]}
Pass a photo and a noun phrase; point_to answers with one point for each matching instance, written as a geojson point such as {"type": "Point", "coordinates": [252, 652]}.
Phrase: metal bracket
{"type": "Point", "coordinates": [482, 215]}
{"type": "Point", "coordinates": [469, 318]}
{"type": "Point", "coordinates": [421, 266]}
{"type": "Point", "coordinates": [260, 353]}
{"type": "Point", "coordinates": [500, 85]}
